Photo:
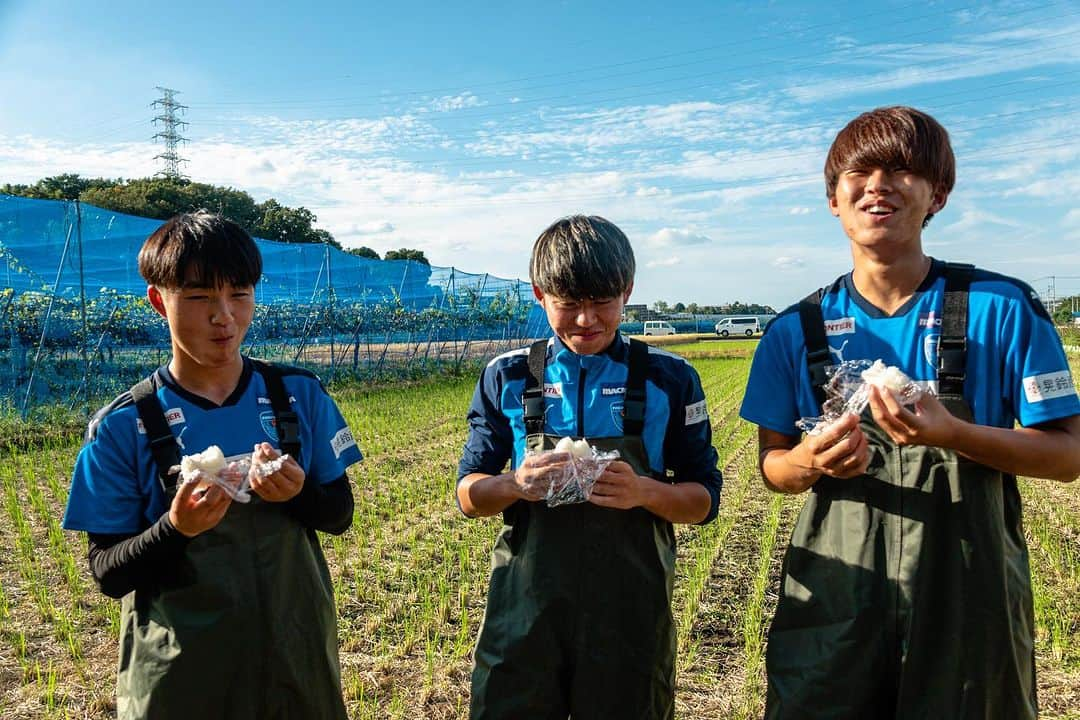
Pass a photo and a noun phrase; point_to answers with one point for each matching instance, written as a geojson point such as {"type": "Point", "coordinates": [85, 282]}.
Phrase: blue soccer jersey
{"type": "Point", "coordinates": [1016, 368]}
{"type": "Point", "coordinates": [584, 398]}
{"type": "Point", "coordinates": [115, 487]}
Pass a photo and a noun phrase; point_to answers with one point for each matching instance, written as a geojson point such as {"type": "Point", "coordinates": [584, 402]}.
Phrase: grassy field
{"type": "Point", "coordinates": [411, 574]}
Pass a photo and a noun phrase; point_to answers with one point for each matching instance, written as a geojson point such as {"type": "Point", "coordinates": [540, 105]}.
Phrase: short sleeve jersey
{"type": "Point", "coordinates": [115, 487]}
{"type": "Point", "coordinates": [583, 396]}
{"type": "Point", "coordinates": [1016, 367]}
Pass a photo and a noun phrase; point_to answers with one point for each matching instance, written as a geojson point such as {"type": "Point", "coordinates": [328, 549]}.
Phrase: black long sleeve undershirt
{"type": "Point", "coordinates": [121, 563]}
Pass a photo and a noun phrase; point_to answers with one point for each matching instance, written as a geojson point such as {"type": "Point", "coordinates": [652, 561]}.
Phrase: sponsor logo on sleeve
{"type": "Point", "coordinates": [553, 390]}
{"type": "Point", "coordinates": [840, 326]}
{"type": "Point", "coordinates": [173, 416]}
{"type": "Point", "coordinates": [342, 441]}
{"type": "Point", "coordinates": [697, 412]}
{"type": "Point", "coordinates": [1049, 386]}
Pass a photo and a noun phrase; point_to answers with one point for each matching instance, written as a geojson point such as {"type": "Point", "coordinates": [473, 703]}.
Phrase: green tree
{"type": "Point", "coordinates": [679, 308]}
{"type": "Point", "coordinates": [1063, 315]}
{"type": "Point", "coordinates": [364, 252]}
{"type": "Point", "coordinates": [406, 254]}
{"type": "Point", "coordinates": [660, 306]}
{"type": "Point", "coordinates": [162, 198]}
{"type": "Point", "coordinates": [286, 224]}
{"type": "Point", "coordinates": [68, 186]}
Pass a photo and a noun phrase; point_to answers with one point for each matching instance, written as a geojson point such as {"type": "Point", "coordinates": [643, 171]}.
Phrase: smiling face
{"type": "Point", "coordinates": [587, 326]}
{"type": "Point", "coordinates": [206, 325]}
{"type": "Point", "coordinates": [883, 209]}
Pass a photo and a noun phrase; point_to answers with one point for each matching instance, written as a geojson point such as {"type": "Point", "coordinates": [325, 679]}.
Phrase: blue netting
{"type": "Point", "coordinates": [75, 325]}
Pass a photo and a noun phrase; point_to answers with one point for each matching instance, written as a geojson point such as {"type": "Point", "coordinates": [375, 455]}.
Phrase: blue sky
{"type": "Point", "coordinates": [464, 129]}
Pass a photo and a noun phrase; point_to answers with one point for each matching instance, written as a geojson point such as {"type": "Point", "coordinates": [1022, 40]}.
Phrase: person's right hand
{"type": "Point", "coordinates": [195, 511]}
{"type": "Point", "coordinates": [535, 474]}
{"type": "Point", "coordinates": [840, 451]}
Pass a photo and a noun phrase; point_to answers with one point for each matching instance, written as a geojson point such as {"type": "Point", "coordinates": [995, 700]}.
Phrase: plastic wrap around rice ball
{"type": "Point", "coordinates": [574, 480]}
{"type": "Point", "coordinates": [848, 391]}
{"type": "Point", "coordinates": [231, 474]}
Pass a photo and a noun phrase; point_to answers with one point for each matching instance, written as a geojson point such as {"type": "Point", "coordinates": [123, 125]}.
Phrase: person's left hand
{"type": "Point", "coordinates": [619, 487]}
{"type": "Point", "coordinates": [283, 485]}
{"type": "Point", "coordinates": [929, 424]}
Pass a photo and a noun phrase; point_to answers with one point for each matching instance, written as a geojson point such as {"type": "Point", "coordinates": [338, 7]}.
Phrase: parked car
{"type": "Point", "coordinates": [658, 327]}
{"type": "Point", "coordinates": [738, 326]}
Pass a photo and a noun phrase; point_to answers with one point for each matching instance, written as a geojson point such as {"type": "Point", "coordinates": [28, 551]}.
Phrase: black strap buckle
{"type": "Point", "coordinates": [952, 354]}
{"type": "Point", "coordinates": [634, 406]}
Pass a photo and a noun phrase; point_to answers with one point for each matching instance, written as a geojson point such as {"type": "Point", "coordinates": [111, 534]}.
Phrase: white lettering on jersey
{"type": "Point", "coordinates": [840, 326]}
{"type": "Point", "coordinates": [553, 390]}
{"type": "Point", "coordinates": [342, 441]}
{"type": "Point", "coordinates": [696, 412]}
{"type": "Point", "coordinates": [1049, 386]}
{"type": "Point", "coordinates": [173, 416]}
{"type": "Point", "coordinates": [266, 400]}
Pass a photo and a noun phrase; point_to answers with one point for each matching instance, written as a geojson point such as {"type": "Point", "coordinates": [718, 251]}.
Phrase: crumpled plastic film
{"type": "Point", "coordinates": [233, 474]}
{"type": "Point", "coordinates": [574, 481]}
{"type": "Point", "coordinates": [848, 391]}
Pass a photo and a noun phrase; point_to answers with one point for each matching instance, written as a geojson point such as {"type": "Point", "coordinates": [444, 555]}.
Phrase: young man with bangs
{"type": "Point", "coordinates": [578, 620]}
{"type": "Point", "coordinates": [227, 607]}
{"type": "Point", "coordinates": [906, 591]}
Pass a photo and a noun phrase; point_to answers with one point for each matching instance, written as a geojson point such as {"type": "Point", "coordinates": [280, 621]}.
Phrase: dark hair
{"type": "Point", "coordinates": [892, 137]}
{"type": "Point", "coordinates": [581, 257]}
{"type": "Point", "coordinates": [200, 249]}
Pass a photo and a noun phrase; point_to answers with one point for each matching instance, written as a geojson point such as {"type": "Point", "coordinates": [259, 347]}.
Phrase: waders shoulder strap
{"type": "Point", "coordinates": [285, 418]}
{"type": "Point", "coordinates": [163, 447]}
{"type": "Point", "coordinates": [532, 400]}
{"type": "Point", "coordinates": [634, 402]}
{"type": "Point", "coordinates": [952, 347]}
{"type": "Point", "coordinates": [817, 345]}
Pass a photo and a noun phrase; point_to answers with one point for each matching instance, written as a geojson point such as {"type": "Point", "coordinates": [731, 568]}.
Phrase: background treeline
{"type": "Point", "coordinates": [161, 198]}
{"type": "Point", "coordinates": [733, 308]}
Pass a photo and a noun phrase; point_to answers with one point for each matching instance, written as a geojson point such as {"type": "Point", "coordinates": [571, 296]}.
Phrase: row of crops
{"type": "Point", "coordinates": [410, 576]}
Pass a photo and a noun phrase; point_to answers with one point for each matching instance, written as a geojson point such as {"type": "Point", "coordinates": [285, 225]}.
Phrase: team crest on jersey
{"type": "Point", "coordinates": [840, 326]}
{"type": "Point", "coordinates": [268, 423]}
{"type": "Point", "coordinates": [173, 416]}
{"type": "Point", "coordinates": [930, 348]}
{"type": "Point", "coordinates": [617, 415]}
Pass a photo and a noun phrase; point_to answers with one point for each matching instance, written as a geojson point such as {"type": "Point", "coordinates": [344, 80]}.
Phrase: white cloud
{"type": "Point", "coordinates": [800, 211]}
{"type": "Point", "coordinates": [664, 262]}
{"type": "Point", "coordinates": [786, 262]}
{"type": "Point", "coordinates": [448, 103]}
{"type": "Point", "coordinates": [673, 237]}
{"type": "Point", "coordinates": [1072, 218]}
{"type": "Point", "coordinates": [912, 65]}
{"type": "Point", "coordinates": [375, 227]}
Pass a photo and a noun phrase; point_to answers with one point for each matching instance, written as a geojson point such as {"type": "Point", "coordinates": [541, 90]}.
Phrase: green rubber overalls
{"type": "Point", "coordinates": [906, 591]}
{"type": "Point", "coordinates": [578, 621]}
{"type": "Point", "coordinates": [244, 628]}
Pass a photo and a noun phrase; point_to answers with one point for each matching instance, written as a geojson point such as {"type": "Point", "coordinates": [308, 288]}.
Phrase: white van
{"type": "Point", "coordinates": [738, 326]}
{"type": "Point", "coordinates": [658, 327]}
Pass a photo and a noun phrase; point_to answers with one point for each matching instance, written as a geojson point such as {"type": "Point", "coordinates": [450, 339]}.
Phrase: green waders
{"type": "Point", "coordinates": [244, 628]}
{"type": "Point", "coordinates": [578, 621]}
{"type": "Point", "coordinates": [906, 591]}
